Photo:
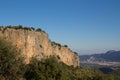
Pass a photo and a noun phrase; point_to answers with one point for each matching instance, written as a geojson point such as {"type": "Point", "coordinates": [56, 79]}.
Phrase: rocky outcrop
{"type": "Point", "coordinates": [37, 44]}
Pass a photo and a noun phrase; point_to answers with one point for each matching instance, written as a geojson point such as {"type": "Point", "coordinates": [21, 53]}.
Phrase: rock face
{"type": "Point", "coordinates": [37, 44]}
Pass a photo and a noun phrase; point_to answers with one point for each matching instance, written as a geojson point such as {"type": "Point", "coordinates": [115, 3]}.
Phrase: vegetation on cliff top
{"type": "Point", "coordinates": [12, 67]}
{"type": "Point", "coordinates": [21, 27]}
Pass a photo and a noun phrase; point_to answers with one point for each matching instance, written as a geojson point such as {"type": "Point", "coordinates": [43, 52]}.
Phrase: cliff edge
{"type": "Point", "coordinates": [37, 44]}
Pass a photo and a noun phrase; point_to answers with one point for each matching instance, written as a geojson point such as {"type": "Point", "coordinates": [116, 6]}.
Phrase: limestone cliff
{"type": "Point", "coordinates": [37, 44]}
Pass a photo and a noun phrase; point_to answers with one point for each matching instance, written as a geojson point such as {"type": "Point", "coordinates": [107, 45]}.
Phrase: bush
{"type": "Point", "coordinates": [39, 30]}
{"type": "Point", "coordinates": [48, 69]}
{"type": "Point", "coordinates": [18, 27]}
{"type": "Point", "coordinates": [76, 53]}
{"type": "Point", "coordinates": [65, 45]}
{"type": "Point", "coordinates": [51, 69]}
{"type": "Point", "coordinates": [33, 28]}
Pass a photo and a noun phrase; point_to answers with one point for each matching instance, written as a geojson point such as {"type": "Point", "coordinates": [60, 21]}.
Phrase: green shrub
{"type": "Point", "coordinates": [65, 45]}
{"type": "Point", "coordinates": [39, 30]}
{"type": "Point", "coordinates": [33, 28]}
{"type": "Point", "coordinates": [18, 27]}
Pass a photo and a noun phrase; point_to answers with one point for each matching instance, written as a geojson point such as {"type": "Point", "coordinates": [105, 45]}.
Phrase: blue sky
{"type": "Point", "coordinates": [86, 26]}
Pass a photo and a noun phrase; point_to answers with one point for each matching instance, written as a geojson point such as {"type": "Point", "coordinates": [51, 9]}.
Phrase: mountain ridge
{"type": "Point", "coordinates": [110, 55]}
{"type": "Point", "coordinates": [110, 58]}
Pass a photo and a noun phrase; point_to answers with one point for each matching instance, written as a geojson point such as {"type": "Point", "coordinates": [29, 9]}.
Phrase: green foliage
{"type": "Point", "coordinates": [12, 68]}
{"type": "Point", "coordinates": [27, 28]}
{"type": "Point", "coordinates": [33, 28]}
{"type": "Point", "coordinates": [10, 62]}
{"type": "Point", "coordinates": [116, 73]}
{"type": "Point", "coordinates": [13, 27]}
{"type": "Point", "coordinates": [39, 29]}
{"type": "Point", "coordinates": [56, 44]}
{"type": "Point", "coordinates": [76, 53]}
{"type": "Point", "coordinates": [65, 45]}
{"type": "Point", "coordinates": [51, 69]}
{"type": "Point", "coordinates": [20, 27]}
{"type": "Point", "coordinates": [48, 69]}
{"type": "Point", "coordinates": [17, 27]}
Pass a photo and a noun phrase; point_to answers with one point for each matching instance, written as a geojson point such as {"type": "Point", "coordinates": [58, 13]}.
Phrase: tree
{"type": "Point", "coordinates": [10, 61]}
{"type": "Point", "coordinates": [48, 69]}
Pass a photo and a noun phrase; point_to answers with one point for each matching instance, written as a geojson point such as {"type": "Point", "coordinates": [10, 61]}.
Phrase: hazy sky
{"type": "Point", "coordinates": [86, 26]}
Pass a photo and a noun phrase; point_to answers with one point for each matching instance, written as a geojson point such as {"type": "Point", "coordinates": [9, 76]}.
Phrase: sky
{"type": "Point", "coordinates": [86, 26]}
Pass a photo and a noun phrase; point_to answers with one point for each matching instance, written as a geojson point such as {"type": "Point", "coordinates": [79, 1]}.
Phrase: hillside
{"type": "Point", "coordinates": [36, 43]}
{"type": "Point", "coordinates": [45, 60]}
{"type": "Point", "coordinates": [109, 58]}
{"type": "Point", "coordinates": [13, 67]}
{"type": "Point", "coordinates": [108, 63]}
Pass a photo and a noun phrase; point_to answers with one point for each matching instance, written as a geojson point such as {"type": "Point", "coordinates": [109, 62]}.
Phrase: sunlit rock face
{"type": "Point", "coordinates": [37, 44]}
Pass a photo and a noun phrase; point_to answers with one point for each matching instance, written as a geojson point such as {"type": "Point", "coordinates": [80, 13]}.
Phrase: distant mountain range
{"type": "Point", "coordinates": [111, 57]}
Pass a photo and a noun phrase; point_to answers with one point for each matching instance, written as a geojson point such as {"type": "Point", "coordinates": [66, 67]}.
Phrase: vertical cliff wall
{"type": "Point", "coordinates": [37, 44]}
